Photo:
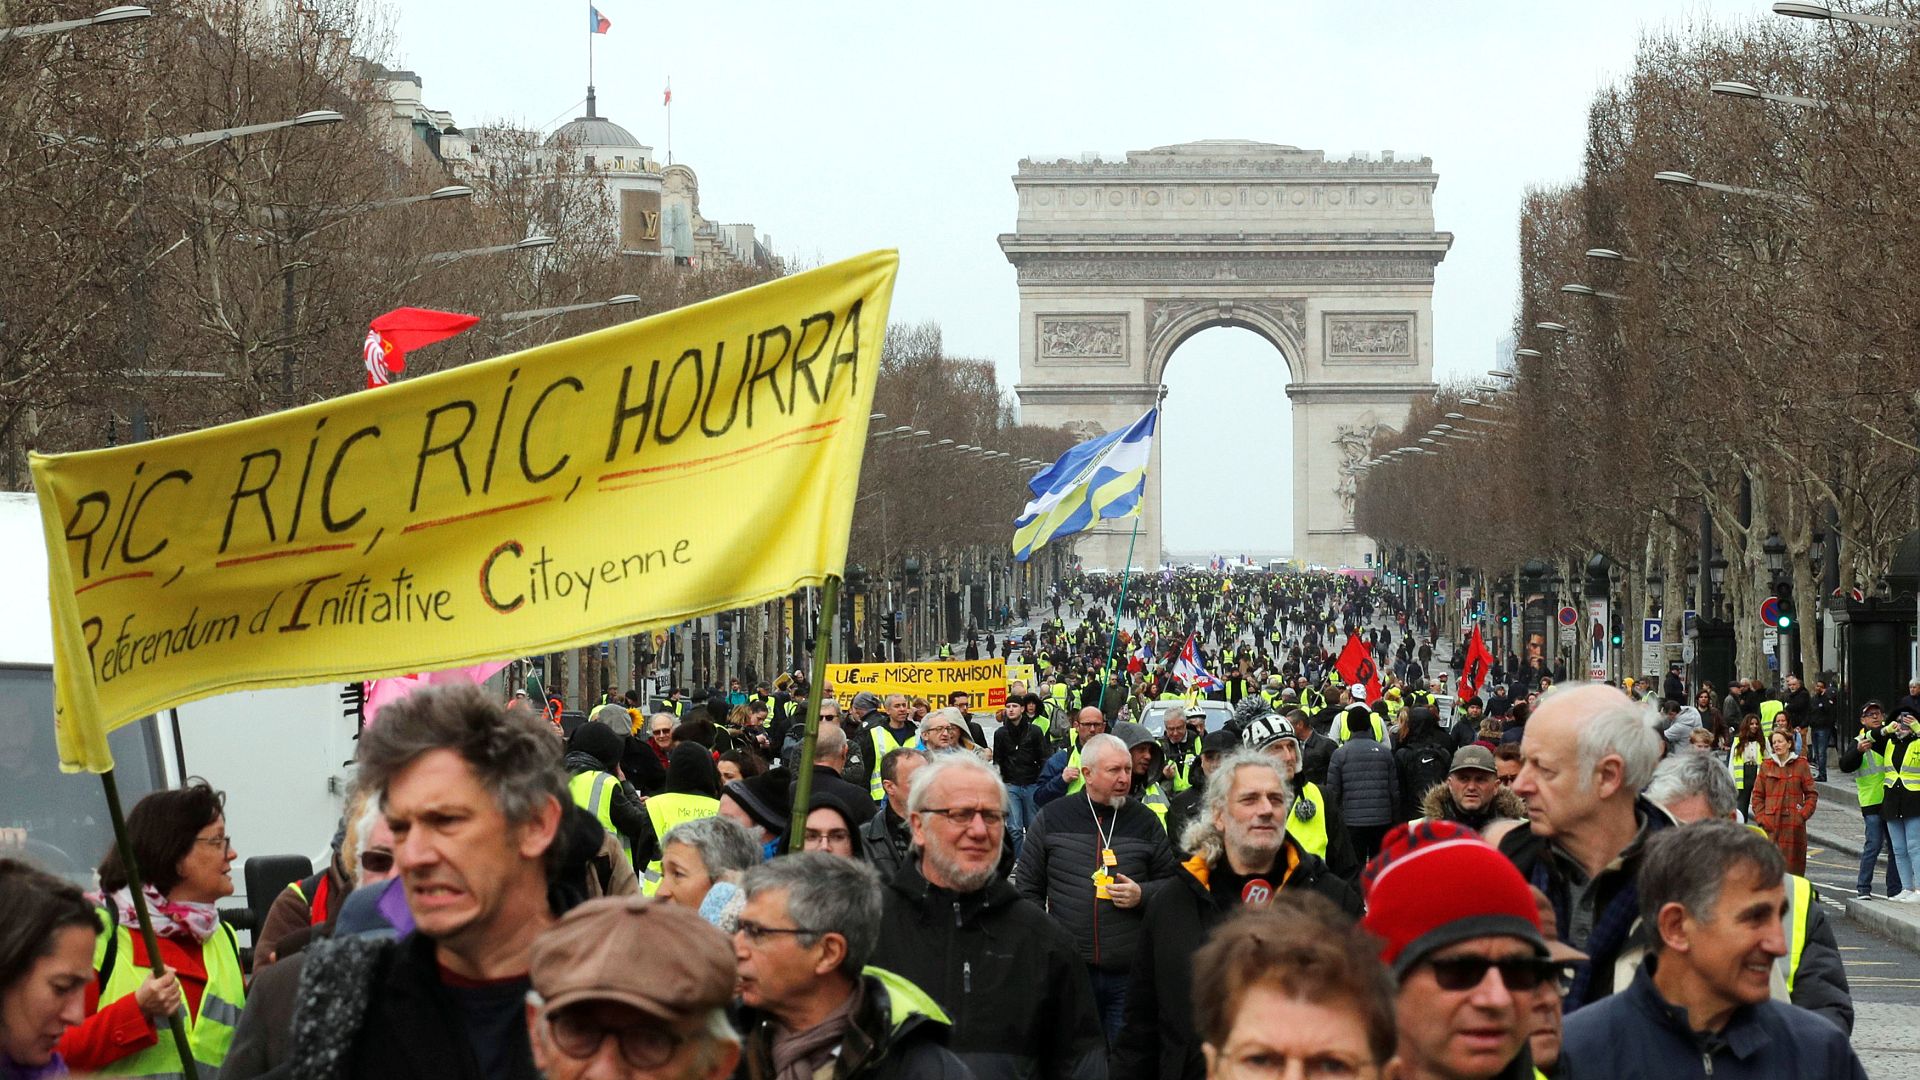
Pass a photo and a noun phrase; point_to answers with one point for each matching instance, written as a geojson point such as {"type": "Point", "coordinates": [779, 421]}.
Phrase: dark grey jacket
{"type": "Point", "coordinates": [1057, 861]}
{"type": "Point", "coordinates": [1018, 997]}
{"type": "Point", "coordinates": [1363, 781]}
{"type": "Point", "coordinates": [1637, 1032]}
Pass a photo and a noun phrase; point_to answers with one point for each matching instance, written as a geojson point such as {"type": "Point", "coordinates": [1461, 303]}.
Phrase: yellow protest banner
{"type": "Point", "coordinates": [546, 499]}
{"type": "Point", "coordinates": [985, 680]}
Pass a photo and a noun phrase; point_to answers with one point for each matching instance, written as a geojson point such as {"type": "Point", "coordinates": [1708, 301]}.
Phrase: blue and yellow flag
{"type": "Point", "coordinates": [1104, 478]}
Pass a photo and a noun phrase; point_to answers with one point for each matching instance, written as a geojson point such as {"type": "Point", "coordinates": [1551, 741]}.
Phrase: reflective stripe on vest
{"type": "Point", "coordinates": [1870, 783]}
{"type": "Point", "coordinates": [209, 1035]}
{"type": "Point", "coordinates": [1310, 834]}
{"type": "Point", "coordinates": [1799, 899]}
{"type": "Point", "coordinates": [1155, 799]}
{"type": "Point", "coordinates": [1904, 767]}
{"type": "Point", "coordinates": [883, 744]}
{"type": "Point", "coordinates": [593, 792]}
{"type": "Point", "coordinates": [666, 810]}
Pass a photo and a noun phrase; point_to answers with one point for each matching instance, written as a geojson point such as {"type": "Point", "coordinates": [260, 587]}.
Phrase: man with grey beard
{"type": "Point", "coordinates": [1004, 971]}
{"type": "Point", "coordinates": [1243, 855]}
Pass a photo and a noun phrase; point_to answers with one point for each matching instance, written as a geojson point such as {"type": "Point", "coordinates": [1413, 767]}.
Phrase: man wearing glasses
{"type": "Point", "coordinates": [593, 1011]}
{"type": "Point", "coordinates": [803, 942]}
{"type": "Point", "coordinates": [1006, 973]}
{"type": "Point", "coordinates": [1461, 935]}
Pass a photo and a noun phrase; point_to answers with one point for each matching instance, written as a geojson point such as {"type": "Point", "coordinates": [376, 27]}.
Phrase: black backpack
{"type": "Point", "coordinates": [1427, 765]}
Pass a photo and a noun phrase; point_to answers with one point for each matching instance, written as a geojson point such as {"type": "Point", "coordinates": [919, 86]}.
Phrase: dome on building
{"type": "Point", "coordinates": [592, 131]}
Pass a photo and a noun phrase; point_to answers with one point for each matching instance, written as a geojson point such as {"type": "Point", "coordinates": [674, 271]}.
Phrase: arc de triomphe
{"type": "Point", "coordinates": [1330, 261]}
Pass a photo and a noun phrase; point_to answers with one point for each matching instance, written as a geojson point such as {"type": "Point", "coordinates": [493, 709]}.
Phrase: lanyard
{"type": "Point", "coordinates": [1105, 835]}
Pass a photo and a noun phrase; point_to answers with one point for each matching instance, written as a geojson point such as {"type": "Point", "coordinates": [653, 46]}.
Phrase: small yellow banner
{"type": "Point", "coordinates": [546, 499]}
{"type": "Point", "coordinates": [1023, 673]}
{"type": "Point", "coordinates": [986, 680]}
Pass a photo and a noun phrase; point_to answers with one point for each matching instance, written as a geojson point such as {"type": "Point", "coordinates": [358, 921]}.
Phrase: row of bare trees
{"type": "Point", "coordinates": [149, 287]}
{"type": "Point", "coordinates": [1744, 345]}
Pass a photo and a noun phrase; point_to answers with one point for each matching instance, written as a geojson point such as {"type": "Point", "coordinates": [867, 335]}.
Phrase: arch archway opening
{"type": "Point", "coordinates": [1221, 491]}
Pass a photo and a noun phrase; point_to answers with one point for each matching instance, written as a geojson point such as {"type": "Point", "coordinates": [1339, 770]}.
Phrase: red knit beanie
{"type": "Point", "coordinates": [1435, 884]}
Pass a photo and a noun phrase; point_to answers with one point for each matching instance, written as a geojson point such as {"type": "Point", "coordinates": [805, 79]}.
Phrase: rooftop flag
{"type": "Point", "coordinates": [596, 22]}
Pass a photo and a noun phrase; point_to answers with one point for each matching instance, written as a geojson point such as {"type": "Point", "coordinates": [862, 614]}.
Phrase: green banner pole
{"type": "Point", "coordinates": [803, 779]}
{"type": "Point", "coordinates": [188, 1067]}
{"type": "Point", "coordinates": [1126, 575]}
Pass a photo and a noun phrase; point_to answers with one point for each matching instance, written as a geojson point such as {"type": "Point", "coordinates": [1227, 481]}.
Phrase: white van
{"type": "Point", "coordinates": [283, 757]}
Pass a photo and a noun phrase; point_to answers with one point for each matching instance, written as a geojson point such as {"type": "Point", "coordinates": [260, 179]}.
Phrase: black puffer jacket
{"type": "Point", "coordinates": [1364, 782]}
{"type": "Point", "coordinates": [1057, 862]}
{"type": "Point", "coordinates": [1158, 1041]}
{"type": "Point", "coordinates": [1020, 749]}
{"type": "Point", "coordinates": [1010, 981]}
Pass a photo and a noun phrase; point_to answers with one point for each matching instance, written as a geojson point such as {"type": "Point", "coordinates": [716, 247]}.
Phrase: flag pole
{"type": "Point", "coordinates": [188, 1067]}
{"type": "Point", "coordinates": [669, 119]}
{"type": "Point", "coordinates": [803, 770]}
{"type": "Point", "coordinates": [1126, 575]}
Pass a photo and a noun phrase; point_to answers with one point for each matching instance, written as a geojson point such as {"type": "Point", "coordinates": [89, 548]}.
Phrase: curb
{"type": "Point", "coordinates": [1880, 916]}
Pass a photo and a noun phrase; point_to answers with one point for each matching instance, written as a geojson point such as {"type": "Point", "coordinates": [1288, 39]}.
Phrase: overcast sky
{"type": "Point", "coordinates": [838, 127]}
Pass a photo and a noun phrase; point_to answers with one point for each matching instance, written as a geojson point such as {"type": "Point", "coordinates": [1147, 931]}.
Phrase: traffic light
{"type": "Point", "coordinates": [1617, 638]}
{"type": "Point", "coordinates": [1786, 620]}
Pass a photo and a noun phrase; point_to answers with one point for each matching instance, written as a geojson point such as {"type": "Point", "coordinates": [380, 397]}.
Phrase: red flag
{"type": "Point", "coordinates": [1357, 667]}
{"type": "Point", "coordinates": [666, 96]}
{"type": "Point", "coordinates": [390, 336]}
{"type": "Point", "coordinates": [1479, 661]}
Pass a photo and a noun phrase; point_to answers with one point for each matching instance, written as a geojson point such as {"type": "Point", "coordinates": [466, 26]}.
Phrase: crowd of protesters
{"type": "Point", "coordinates": [1334, 881]}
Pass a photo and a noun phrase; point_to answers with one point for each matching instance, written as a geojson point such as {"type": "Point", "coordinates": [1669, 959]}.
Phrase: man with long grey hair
{"type": "Point", "coordinates": [1242, 856]}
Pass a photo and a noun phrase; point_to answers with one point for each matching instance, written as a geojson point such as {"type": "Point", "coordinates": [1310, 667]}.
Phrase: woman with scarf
{"type": "Point", "coordinates": [179, 839]}
{"type": "Point", "coordinates": [1783, 800]}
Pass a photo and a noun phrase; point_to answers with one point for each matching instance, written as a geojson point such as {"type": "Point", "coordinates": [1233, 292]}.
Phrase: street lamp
{"type": "Point", "coordinates": [1609, 254]}
{"type": "Point", "coordinates": [1577, 289]}
{"type": "Point", "coordinates": [310, 118]}
{"type": "Point", "coordinates": [1526, 354]}
{"type": "Point", "coordinates": [1552, 327]}
{"type": "Point", "coordinates": [1776, 552]}
{"type": "Point", "coordinates": [541, 313]}
{"type": "Point", "coordinates": [1795, 10]}
{"type": "Point", "coordinates": [1680, 179]}
{"type": "Point", "coordinates": [531, 243]}
{"type": "Point", "coordinates": [122, 13]}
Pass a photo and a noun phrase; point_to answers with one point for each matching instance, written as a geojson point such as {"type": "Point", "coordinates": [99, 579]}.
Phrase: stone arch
{"type": "Point", "coordinates": [1119, 262]}
{"type": "Point", "coordinates": [1279, 325]}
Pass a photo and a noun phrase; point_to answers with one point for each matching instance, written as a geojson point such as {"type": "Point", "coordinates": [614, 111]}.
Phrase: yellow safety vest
{"type": "Point", "coordinates": [1311, 834]}
{"type": "Point", "coordinates": [665, 811]}
{"type": "Point", "coordinates": [1073, 762]}
{"type": "Point", "coordinates": [1379, 728]}
{"type": "Point", "coordinates": [209, 1034]}
{"type": "Point", "coordinates": [1155, 799]}
{"type": "Point", "coordinates": [1799, 899]}
{"type": "Point", "coordinates": [592, 791]}
{"type": "Point", "coordinates": [883, 744]}
{"type": "Point", "coordinates": [1871, 781]}
{"type": "Point", "coordinates": [1904, 769]}
{"type": "Point", "coordinates": [1738, 768]}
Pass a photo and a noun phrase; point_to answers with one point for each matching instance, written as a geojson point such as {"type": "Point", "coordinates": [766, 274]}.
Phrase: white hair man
{"type": "Point", "coordinates": [1004, 970]}
{"type": "Point", "coordinates": [1587, 753]}
{"type": "Point", "coordinates": [1693, 785]}
{"type": "Point", "coordinates": [1243, 855]}
{"type": "Point", "coordinates": [1085, 860]}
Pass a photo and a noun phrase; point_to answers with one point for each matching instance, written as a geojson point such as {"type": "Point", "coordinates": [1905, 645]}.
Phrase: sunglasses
{"type": "Point", "coordinates": [376, 862]}
{"type": "Point", "coordinates": [580, 1037]}
{"type": "Point", "coordinates": [1518, 973]}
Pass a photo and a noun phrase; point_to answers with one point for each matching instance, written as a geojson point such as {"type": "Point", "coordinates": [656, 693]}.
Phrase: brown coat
{"type": "Point", "coordinates": [1783, 799]}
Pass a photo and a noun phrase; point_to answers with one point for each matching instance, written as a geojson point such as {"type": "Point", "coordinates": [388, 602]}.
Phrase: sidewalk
{"type": "Point", "coordinates": [1836, 826]}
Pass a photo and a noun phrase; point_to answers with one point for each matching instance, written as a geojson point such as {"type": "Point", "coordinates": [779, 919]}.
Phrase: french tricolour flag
{"type": "Point", "coordinates": [599, 23]}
